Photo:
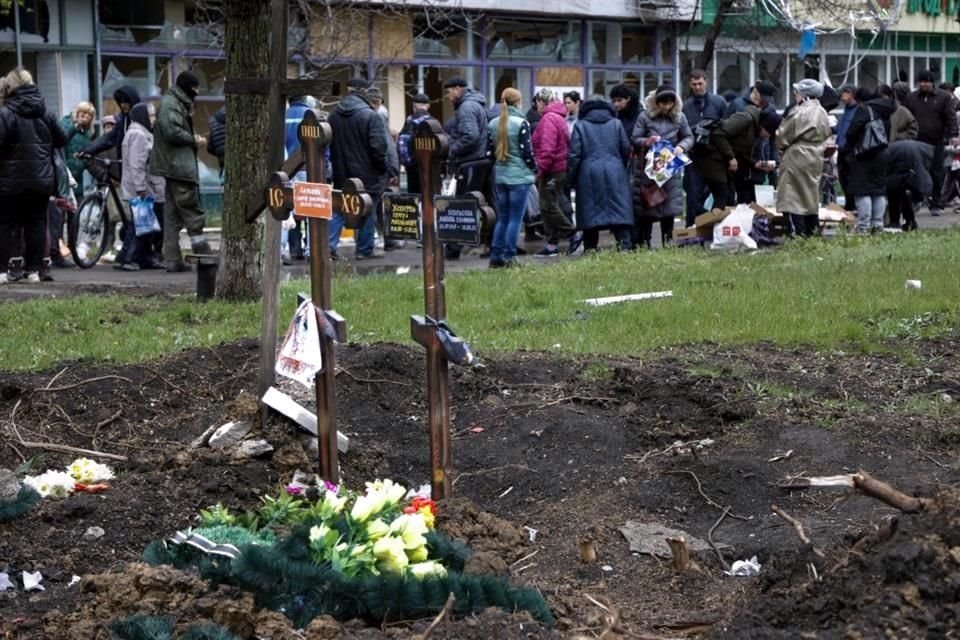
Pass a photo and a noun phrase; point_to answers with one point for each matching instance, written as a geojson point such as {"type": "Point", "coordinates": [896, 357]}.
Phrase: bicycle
{"type": "Point", "coordinates": [89, 231]}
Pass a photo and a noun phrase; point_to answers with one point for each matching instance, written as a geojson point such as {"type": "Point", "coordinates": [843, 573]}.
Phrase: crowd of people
{"type": "Point", "coordinates": [889, 149]}
{"type": "Point", "coordinates": [42, 163]}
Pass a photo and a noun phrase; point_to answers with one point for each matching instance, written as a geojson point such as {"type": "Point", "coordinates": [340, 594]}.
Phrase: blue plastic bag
{"type": "Point", "coordinates": [144, 219]}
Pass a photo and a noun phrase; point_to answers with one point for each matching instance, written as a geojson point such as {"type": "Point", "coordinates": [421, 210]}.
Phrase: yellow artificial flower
{"type": "Point", "coordinates": [318, 532]}
{"type": "Point", "coordinates": [376, 529]}
{"type": "Point", "coordinates": [422, 570]}
{"type": "Point", "coordinates": [391, 555]}
{"type": "Point", "coordinates": [367, 506]}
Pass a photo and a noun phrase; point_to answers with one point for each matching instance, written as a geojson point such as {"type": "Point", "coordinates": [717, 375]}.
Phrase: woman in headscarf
{"type": "Point", "coordinates": [139, 183]}
{"type": "Point", "coordinates": [29, 135]}
{"type": "Point", "coordinates": [801, 139]}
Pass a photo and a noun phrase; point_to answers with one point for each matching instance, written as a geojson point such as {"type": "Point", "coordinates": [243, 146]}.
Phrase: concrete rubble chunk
{"type": "Point", "coordinates": [650, 538]}
{"type": "Point", "coordinates": [9, 486]}
{"type": "Point", "coordinates": [204, 438]}
{"type": "Point", "coordinates": [93, 533]}
{"type": "Point", "coordinates": [253, 449]}
{"type": "Point", "coordinates": [279, 401]}
{"type": "Point", "coordinates": [230, 434]}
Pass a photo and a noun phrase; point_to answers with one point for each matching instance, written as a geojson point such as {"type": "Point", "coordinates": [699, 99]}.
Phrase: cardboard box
{"type": "Point", "coordinates": [704, 233]}
{"type": "Point", "coordinates": [711, 218]}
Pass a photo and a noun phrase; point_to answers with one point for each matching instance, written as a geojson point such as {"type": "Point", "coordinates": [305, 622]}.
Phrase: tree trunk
{"type": "Point", "coordinates": [710, 40]}
{"type": "Point", "coordinates": [248, 56]}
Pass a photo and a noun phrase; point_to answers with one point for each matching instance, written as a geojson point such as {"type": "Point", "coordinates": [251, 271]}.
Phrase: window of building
{"type": "Point", "coordinates": [840, 70]}
{"type": "Point", "coordinates": [733, 72]}
{"type": "Point", "coordinates": [499, 78]}
{"type": "Point", "coordinates": [526, 41]}
{"type": "Point", "coordinates": [639, 45]}
{"type": "Point", "coordinates": [615, 43]}
{"type": "Point", "coordinates": [438, 37]}
{"type": "Point", "coordinates": [149, 75]}
{"type": "Point", "coordinates": [872, 72]}
{"type": "Point", "coordinates": [34, 18]}
{"type": "Point", "coordinates": [932, 64]}
{"type": "Point", "coordinates": [126, 13]}
{"type": "Point", "coordinates": [772, 67]}
{"type": "Point", "coordinates": [210, 73]}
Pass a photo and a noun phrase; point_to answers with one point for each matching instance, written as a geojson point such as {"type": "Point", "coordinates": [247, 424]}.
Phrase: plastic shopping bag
{"type": "Point", "coordinates": [300, 358]}
{"type": "Point", "coordinates": [144, 219]}
{"type": "Point", "coordinates": [733, 231]}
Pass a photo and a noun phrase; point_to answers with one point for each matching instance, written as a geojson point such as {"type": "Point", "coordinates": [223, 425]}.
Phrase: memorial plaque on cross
{"type": "Point", "coordinates": [316, 201]}
{"type": "Point", "coordinates": [431, 330]}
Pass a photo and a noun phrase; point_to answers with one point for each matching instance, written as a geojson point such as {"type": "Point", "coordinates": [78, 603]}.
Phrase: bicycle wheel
{"type": "Point", "coordinates": [88, 230]}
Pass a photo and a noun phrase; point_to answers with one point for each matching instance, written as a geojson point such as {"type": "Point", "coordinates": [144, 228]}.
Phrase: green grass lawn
{"type": "Point", "coordinates": [846, 290]}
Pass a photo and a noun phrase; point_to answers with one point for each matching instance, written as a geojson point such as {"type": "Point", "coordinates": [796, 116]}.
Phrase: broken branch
{"type": "Point", "coordinates": [796, 527]}
{"type": "Point", "coordinates": [440, 616]}
{"type": "Point", "coordinates": [81, 383]}
{"type": "Point", "coordinates": [885, 493]}
{"type": "Point", "coordinates": [705, 496]}
{"type": "Point", "coordinates": [723, 562]}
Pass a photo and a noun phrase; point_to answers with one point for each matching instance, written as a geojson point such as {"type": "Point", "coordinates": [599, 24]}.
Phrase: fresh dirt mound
{"type": "Point", "coordinates": [567, 447]}
{"type": "Point", "coordinates": [902, 581]}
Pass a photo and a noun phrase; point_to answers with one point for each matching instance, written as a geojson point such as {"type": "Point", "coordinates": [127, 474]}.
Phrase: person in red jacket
{"type": "Point", "coordinates": [551, 139]}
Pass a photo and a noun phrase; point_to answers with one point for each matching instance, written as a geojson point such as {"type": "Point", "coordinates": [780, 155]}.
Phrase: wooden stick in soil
{"type": "Point", "coordinates": [440, 617]}
{"type": "Point", "coordinates": [796, 527]}
{"type": "Point", "coordinates": [680, 552]}
{"type": "Point", "coordinates": [885, 493]}
{"type": "Point", "coordinates": [588, 553]}
{"type": "Point", "coordinates": [81, 383]}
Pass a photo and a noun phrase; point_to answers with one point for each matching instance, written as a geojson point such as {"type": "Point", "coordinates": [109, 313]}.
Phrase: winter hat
{"type": "Point", "coordinates": [844, 88]}
{"type": "Point", "coordinates": [902, 90]}
{"type": "Point", "coordinates": [770, 121]}
{"type": "Point", "coordinates": [357, 85]}
{"type": "Point", "coordinates": [421, 98]}
{"type": "Point", "coordinates": [809, 88]}
{"type": "Point", "coordinates": [108, 120]}
{"type": "Point", "coordinates": [925, 76]}
{"type": "Point", "coordinates": [546, 96]}
{"type": "Point", "coordinates": [665, 93]}
{"type": "Point", "coordinates": [863, 94]}
{"type": "Point", "coordinates": [455, 81]}
{"type": "Point", "coordinates": [766, 89]}
{"type": "Point", "coordinates": [188, 83]}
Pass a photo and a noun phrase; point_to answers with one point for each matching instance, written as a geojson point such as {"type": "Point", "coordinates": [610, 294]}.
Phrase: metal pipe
{"type": "Point", "coordinates": [97, 68]}
{"type": "Point", "coordinates": [15, 7]}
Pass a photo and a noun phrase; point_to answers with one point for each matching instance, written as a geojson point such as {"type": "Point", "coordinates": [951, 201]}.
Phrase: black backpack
{"type": "Point", "coordinates": [702, 132]}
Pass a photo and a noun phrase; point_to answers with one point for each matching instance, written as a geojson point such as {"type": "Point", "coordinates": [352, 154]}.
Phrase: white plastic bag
{"type": "Point", "coordinates": [144, 219]}
{"type": "Point", "coordinates": [300, 358]}
{"type": "Point", "coordinates": [734, 231]}
{"type": "Point", "coordinates": [449, 186]}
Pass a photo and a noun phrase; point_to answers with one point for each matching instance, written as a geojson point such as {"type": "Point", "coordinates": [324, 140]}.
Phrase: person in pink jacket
{"type": "Point", "coordinates": [551, 139]}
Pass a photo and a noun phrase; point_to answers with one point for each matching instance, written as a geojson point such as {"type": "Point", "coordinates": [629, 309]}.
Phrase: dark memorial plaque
{"type": "Point", "coordinates": [458, 219]}
{"type": "Point", "coordinates": [403, 216]}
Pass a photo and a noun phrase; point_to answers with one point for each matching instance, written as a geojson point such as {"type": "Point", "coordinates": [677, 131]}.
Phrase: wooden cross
{"type": "Point", "coordinates": [430, 148]}
{"type": "Point", "coordinates": [316, 201]}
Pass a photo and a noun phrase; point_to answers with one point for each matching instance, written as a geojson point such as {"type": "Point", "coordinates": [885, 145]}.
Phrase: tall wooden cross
{"type": "Point", "coordinates": [316, 201]}
{"type": "Point", "coordinates": [430, 148]}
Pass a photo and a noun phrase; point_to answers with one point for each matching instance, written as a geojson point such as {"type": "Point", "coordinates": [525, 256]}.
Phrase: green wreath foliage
{"type": "Point", "coordinates": [26, 498]}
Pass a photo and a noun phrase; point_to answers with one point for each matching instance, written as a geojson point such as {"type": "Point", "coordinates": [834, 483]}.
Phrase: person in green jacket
{"type": "Point", "coordinates": [174, 157]}
{"type": "Point", "coordinates": [78, 127]}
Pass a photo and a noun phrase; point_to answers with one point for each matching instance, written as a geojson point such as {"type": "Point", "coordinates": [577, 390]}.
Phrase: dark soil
{"type": "Point", "coordinates": [570, 448]}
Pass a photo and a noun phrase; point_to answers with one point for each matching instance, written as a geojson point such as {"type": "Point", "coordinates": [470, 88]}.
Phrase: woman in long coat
{"type": "Point", "coordinates": [597, 169]}
{"type": "Point", "coordinates": [801, 139]}
{"type": "Point", "coordinates": [662, 120]}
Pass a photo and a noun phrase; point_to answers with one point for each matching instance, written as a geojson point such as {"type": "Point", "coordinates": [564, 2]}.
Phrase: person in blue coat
{"type": "Point", "coordinates": [597, 167]}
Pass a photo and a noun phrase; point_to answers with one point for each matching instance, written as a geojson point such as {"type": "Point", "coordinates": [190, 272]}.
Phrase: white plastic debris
{"type": "Point", "coordinates": [5, 582]}
{"type": "Point", "coordinates": [599, 302]}
{"type": "Point", "coordinates": [744, 568]}
{"type": "Point", "coordinates": [606, 567]}
{"type": "Point", "coordinates": [74, 580]}
{"type": "Point", "coordinates": [425, 491]}
{"type": "Point", "coordinates": [532, 533]}
{"type": "Point", "coordinates": [913, 284]}
{"type": "Point", "coordinates": [402, 271]}
{"type": "Point", "coordinates": [31, 581]}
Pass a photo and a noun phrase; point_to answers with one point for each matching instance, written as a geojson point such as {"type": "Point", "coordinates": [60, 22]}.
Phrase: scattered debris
{"type": "Point", "coordinates": [844, 481]}
{"type": "Point", "coordinates": [532, 533]}
{"type": "Point", "coordinates": [402, 271]}
{"type": "Point", "coordinates": [31, 581]}
{"type": "Point", "coordinates": [650, 538]}
{"type": "Point", "coordinates": [9, 486]}
{"type": "Point", "coordinates": [5, 582]}
{"type": "Point", "coordinates": [677, 448]}
{"type": "Point", "coordinates": [606, 567]}
{"type": "Point", "coordinates": [798, 527]}
{"type": "Point", "coordinates": [93, 533]}
{"type": "Point", "coordinates": [588, 553]}
{"type": "Point", "coordinates": [74, 580]}
{"type": "Point", "coordinates": [253, 449]}
{"type": "Point", "coordinates": [230, 434]}
{"type": "Point", "coordinates": [504, 494]}
{"type": "Point", "coordinates": [913, 284]}
{"type": "Point", "coordinates": [631, 297]}
{"type": "Point", "coordinates": [204, 438]}
{"type": "Point", "coordinates": [680, 553]}
{"type": "Point", "coordinates": [744, 568]}
{"type": "Point", "coordinates": [781, 456]}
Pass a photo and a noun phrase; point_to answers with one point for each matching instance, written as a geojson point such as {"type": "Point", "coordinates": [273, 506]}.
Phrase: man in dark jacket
{"type": "Point", "coordinates": [358, 150]}
{"type": "Point", "coordinates": [28, 137]}
{"type": "Point", "coordinates": [935, 113]}
{"type": "Point", "coordinates": [469, 155]}
{"type": "Point", "coordinates": [867, 181]}
{"type": "Point", "coordinates": [421, 106]}
{"type": "Point", "coordinates": [760, 95]}
{"type": "Point", "coordinates": [626, 102]}
{"type": "Point", "coordinates": [701, 105]}
{"type": "Point", "coordinates": [908, 162]}
{"type": "Point", "coordinates": [174, 157]}
{"type": "Point", "coordinates": [125, 97]}
{"type": "Point", "coordinates": [217, 144]}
